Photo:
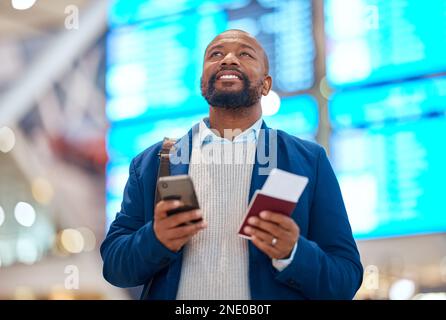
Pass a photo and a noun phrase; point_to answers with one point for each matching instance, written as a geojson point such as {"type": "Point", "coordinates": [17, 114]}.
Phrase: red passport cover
{"type": "Point", "coordinates": [261, 202]}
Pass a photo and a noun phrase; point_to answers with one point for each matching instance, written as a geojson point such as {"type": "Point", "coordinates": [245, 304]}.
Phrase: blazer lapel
{"type": "Point", "coordinates": [261, 170]}
{"type": "Point", "coordinates": [258, 177]}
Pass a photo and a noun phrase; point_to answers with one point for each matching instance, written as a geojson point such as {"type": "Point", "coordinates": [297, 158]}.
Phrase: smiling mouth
{"type": "Point", "coordinates": [228, 75]}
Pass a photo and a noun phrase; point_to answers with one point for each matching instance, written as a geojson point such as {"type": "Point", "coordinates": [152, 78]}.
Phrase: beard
{"type": "Point", "coordinates": [244, 98]}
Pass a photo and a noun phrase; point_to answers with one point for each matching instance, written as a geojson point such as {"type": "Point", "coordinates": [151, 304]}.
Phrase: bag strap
{"type": "Point", "coordinates": [163, 171]}
{"type": "Point", "coordinates": [164, 168]}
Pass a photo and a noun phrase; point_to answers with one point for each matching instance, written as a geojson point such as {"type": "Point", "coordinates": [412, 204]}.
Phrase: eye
{"type": "Point", "coordinates": [245, 54]}
{"type": "Point", "coordinates": [215, 54]}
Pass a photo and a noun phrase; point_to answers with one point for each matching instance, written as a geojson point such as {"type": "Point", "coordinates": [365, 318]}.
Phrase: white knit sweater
{"type": "Point", "coordinates": [215, 261]}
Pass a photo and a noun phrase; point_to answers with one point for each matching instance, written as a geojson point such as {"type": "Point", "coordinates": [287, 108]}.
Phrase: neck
{"type": "Point", "coordinates": [235, 119]}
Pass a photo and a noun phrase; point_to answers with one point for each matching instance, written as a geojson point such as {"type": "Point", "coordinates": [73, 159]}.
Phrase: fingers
{"type": "Point", "coordinates": [270, 251]}
{"type": "Point", "coordinates": [262, 235]}
{"type": "Point", "coordinates": [185, 231]}
{"type": "Point", "coordinates": [283, 221]}
{"type": "Point", "coordinates": [182, 217]}
{"type": "Point", "coordinates": [273, 225]}
{"type": "Point", "coordinates": [176, 238]}
{"type": "Point", "coordinates": [167, 228]}
{"type": "Point", "coordinates": [163, 206]}
{"type": "Point", "coordinates": [270, 227]}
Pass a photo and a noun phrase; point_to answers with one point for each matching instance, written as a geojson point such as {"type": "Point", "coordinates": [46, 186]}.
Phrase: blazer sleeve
{"type": "Point", "coordinates": [131, 252]}
{"type": "Point", "coordinates": [327, 263]}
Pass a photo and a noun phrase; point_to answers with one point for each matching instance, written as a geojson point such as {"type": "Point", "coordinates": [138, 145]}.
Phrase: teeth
{"type": "Point", "coordinates": [228, 76]}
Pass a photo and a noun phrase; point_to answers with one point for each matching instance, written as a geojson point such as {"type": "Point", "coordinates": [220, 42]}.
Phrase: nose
{"type": "Point", "coordinates": [230, 59]}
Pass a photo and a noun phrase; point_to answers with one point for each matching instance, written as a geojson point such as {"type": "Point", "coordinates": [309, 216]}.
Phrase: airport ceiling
{"type": "Point", "coordinates": [44, 15]}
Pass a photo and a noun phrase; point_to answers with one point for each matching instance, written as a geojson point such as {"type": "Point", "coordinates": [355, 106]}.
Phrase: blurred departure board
{"type": "Point", "coordinates": [373, 41]}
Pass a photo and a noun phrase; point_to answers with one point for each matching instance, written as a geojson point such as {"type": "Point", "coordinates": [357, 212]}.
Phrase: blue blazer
{"type": "Point", "coordinates": [326, 264]}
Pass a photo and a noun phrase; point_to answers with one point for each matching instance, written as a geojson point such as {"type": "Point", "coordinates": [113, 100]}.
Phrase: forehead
{"type": "Point", "coordinates": [233, 38]}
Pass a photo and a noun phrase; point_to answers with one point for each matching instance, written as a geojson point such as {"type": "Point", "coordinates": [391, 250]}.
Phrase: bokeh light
{"type": "Point", "coordinates": [22, 4]}
{"type": "Point", "coordinates": [25, 214]}
{"type": "Point", "coordinates": [89, 239]}
{"type": "Point", "coordinates": [7, 139]}
{"type": "Point", "coordinates": [324, 88]}
{"type": "Point", "coordinates": [42, 190]}
{"type": "Point", "coordinates": [72, 240]}
{"type": "Point", "coordinates": [270, 103]}
{"type": "Point", "coordinates": [402, 289]}
{"type": "Point", "coordinates": [27, 251]}
{"type": "Point", "coordinates": [58, 292]}
{"type": "Point", "coordinates": [24, 293]}
{"type": "Point", "coordinates": [2, 216]}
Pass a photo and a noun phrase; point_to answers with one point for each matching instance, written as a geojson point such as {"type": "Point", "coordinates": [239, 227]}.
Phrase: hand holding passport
{"type": "Point", "coordinates": [280, 193]}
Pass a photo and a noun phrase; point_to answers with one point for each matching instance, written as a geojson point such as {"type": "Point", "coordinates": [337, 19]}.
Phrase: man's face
{"type": "Point", "coordinates": [234, 71]}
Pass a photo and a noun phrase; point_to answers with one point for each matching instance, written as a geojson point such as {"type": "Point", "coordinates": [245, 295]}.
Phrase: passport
{"type": "Point", "coordinates": [280, 194]}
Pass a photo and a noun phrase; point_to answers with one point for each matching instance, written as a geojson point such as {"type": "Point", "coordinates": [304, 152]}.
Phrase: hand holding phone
{"type": "Point", "coordinates": [181, 188]}
{"type": "Point", "coordinates": [177, 216]}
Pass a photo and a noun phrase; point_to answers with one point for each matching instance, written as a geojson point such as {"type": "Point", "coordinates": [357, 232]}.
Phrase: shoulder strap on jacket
{"type": "Point", "coordinates": [164, 167]}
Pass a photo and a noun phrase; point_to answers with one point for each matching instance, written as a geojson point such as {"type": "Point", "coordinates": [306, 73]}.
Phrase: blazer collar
{"type": "Point", "coordinates": [183, 149]}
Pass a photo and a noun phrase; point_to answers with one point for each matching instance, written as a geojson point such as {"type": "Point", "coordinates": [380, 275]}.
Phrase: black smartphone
{"type": "Point", "coordinates": [181, 188]}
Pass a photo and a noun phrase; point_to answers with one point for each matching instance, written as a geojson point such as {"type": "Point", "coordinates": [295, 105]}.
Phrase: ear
{"type": "Point", "coordinates": [267, 84]}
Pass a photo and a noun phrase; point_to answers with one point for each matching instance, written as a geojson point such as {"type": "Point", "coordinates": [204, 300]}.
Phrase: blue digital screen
{"type": "Point", "coordinates": [388, 103]}
{"type": "Point", "coordinates": [298, 116]}
{"type": "Point", "coordinates": [388, 152]}
{"type": "Point", "coordinates": [125, 12]}
{"type": "Point", "coordinates": [126, 141]}
{"type": "Point", "coordinates": [373, 41]}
